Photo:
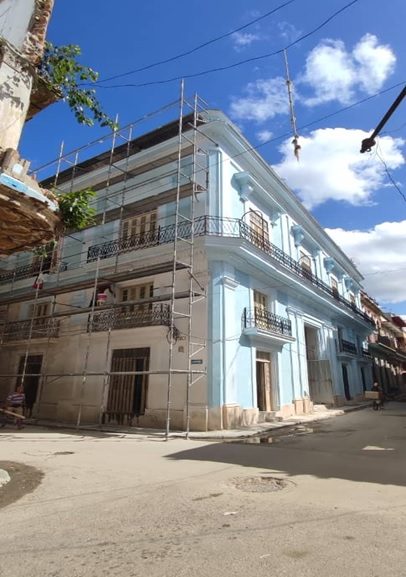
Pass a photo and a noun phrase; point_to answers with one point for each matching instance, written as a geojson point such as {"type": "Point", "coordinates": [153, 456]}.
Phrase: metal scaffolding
{"type": "Point", "coordinates": [118, 167]}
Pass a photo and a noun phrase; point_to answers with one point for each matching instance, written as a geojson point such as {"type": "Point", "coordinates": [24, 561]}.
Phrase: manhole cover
{"type": "Point", "coordinates": [260, 484]}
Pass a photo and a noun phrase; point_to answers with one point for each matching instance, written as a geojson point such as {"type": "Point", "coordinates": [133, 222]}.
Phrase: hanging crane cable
{"type": "Point", "coordinates": [295, 141]}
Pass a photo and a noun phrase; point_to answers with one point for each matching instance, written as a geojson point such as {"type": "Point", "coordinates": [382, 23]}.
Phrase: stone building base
{"type": "Point", "coordinates": [203, 418]}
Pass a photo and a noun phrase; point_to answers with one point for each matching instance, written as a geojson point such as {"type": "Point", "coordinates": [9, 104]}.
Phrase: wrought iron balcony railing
{"type": "Point", "coordinates": [348, 347]}
{"type": "Point", "coordinates": [387, 341]}
{"type": "Point", "coordinates": [267, 321]}
{"type": "Point", "coordinates": [29, 271]}
{"type": "Point", "coordinates": [41, 329]}
{"type": "Point", "coordinates": [365, 352]}
{"type": "Point", "coordinates": [141, 316]}
{"type": "Point", "coordinates": [211, 226]}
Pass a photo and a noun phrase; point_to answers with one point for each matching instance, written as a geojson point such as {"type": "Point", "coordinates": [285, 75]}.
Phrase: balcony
{"type": "Point", "coordinates": [365, 353]}
{"type": "Point", "coordinates": [21, 330]}
{"type": "Point", "coordinates": [117, 319]}
{"type": "Point", "coordinates": [30, 271]}
{"type": "Point", "coordinates": [267, 321]}
{"type": "Point", "coordinates": [205, 226]}
{"type": "Point", "coordinates": [348, 347]}
{"type": "Point", "coordinates": [387, 341]}
{"type": "Point", "coordinates": [262, 327]}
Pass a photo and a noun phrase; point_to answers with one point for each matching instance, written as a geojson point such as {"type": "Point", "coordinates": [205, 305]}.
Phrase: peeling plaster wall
{"type": "Point", "coordinates": [15, 91]}
{"type": "Point", "coordinates": [23, 25]}
{"type": "Point", "coordinates": [15, 19]}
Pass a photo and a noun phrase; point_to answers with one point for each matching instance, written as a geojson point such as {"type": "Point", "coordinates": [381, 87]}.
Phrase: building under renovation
{"type": "Point", "coordinates": [205, 296]}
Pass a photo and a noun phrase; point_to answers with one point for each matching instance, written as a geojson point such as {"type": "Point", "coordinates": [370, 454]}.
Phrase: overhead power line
{"type": "Point", "coordinates": [260, 145]}
{"type": "Point", "coordinates": [240, 62]}
{"type": "Point", "coordinates": [390, 177]}
{"type": "Point", "coordinates": [198, 47]}
{"type": "Point", "coordinates": [325, 117]}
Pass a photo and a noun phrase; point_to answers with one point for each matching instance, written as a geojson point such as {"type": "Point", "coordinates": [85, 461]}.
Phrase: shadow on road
{"type": "Point", "coordinates": [370, 450]}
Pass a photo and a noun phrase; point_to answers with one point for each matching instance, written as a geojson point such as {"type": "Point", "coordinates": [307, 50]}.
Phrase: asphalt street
{"type": "Point", "coordinates": [135, 505]}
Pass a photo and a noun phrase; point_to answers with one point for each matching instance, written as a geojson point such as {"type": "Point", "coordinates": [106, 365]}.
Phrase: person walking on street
{"type": "Point", "coordinates": [15, 402]}
{"type": "Point", "coordinates": [377, 403]}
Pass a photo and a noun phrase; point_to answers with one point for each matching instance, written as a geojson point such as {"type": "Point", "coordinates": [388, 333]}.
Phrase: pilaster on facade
{"type": "Point", "coordinates": [246, 322]}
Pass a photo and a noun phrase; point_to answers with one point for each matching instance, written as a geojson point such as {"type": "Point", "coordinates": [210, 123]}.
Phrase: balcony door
{"type": "Point", "coordinates": [306, 265]}
{"type": "Point", "coordinates": [137, 292]}
{"type": "Point", "coordinates": [127, 396]}
{"type": "Point", "coordinates": [334, 287]}
{"type": "Point", "coordinates": [40, 314]}
{"type": "Point", "coordinates": [259, 228]}
{"type": "Point", "coordinates": [142, 227]}
{"type": "Point", "coordinates": [260, 309]}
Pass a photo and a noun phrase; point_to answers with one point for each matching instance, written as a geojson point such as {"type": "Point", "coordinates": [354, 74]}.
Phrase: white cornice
{"type": "Point", "coordinates": [225, 132]}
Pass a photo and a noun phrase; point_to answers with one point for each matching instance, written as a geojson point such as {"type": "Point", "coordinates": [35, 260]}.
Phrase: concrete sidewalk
{"type": "Point", "coordinates": [240, 433]}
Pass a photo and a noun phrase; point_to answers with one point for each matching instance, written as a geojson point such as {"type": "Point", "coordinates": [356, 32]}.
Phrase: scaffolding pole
{"type": "Point", "coordinates": [183, 266]}
{"type": "Point", "coordinates": [95, 286]}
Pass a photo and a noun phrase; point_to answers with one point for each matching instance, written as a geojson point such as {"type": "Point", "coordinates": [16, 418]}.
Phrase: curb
{"type": "Point", "coordinates": [204, 436]}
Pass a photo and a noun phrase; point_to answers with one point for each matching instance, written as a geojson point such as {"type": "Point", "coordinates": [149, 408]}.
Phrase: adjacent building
{"type": "Point", "coordinates": [28, 213]}
{"type": "Point", "coordinates": [387, 346]}
{"type": "Point", "coordinates": [205, 293]}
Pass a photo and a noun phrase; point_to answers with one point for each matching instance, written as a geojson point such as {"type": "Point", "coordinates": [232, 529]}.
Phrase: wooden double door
{"type": "Point", "coordinates": [127, 395]}
{"type": "Point", "coordinates": [265, 400]}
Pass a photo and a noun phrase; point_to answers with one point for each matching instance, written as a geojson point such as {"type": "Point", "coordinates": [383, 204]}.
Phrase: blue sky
{"type": "Point", "coordinates": [359, 53]}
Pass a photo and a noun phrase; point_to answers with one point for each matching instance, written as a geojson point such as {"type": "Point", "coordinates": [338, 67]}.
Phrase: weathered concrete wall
{"type": "Point", "coordinates": [15, 90]}
{"type": "Point", "coordinates": [15, 19]}
{"type": "Point", "coordinates": [23, 25]}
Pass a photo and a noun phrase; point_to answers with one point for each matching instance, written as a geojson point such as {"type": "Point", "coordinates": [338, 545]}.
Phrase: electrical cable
{"type": "Point", "coordinates": [389, 176]}
{"type": "Point", "coordinates": [240, 62]}
{"type": "Point", "coordinates": [196, 48]}
{"type": "Point", "coordinates": [251, 148]}
{"type": "Point", "coordinates": [287, 134]}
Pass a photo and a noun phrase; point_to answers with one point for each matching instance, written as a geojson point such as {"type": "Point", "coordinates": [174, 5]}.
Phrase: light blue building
{"type": "Point", "coordinates": [259, 317]}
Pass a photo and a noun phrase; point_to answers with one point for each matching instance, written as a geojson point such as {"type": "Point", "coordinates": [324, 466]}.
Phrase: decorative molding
{"type": "Point", "coordinates": [315, 252]}
{"type": "Point", "coordinates": [329, 264]}
{"type": "Point", "coordinates": [229, 282]}
{"type": "Point", "coordinates": [274, 216]}
{"type": "Point", "coordinates": [298, 234]}
{"type": "Point", "coordinates": [244, 184]}
{"type": "Point", "coordinates": [349, 283]}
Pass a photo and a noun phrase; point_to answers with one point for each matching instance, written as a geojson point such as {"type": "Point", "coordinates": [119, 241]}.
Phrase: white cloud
{"type": "Point", "coordinates": [264, 135]}
{"type": "Point", "coordinates": [288, 31]}
{"type": "Point", "coordinates": [379, 255]}
{"type": "Point", "coordinates": [243, 39]}
{"type": "Point", "coordinates": [335, 73]}
{"type": "Point", "coordinates": [265, 99]}
{"type": "Point", "coordinates": [331, 73]}
{"type": "Point", "coordinates": [332, 168]}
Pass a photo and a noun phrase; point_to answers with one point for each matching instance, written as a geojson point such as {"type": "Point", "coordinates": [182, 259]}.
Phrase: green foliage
{"type": "Point", "coordinates": [62, 71]}
{"type": "Point", "coordinates": [75, 209]}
